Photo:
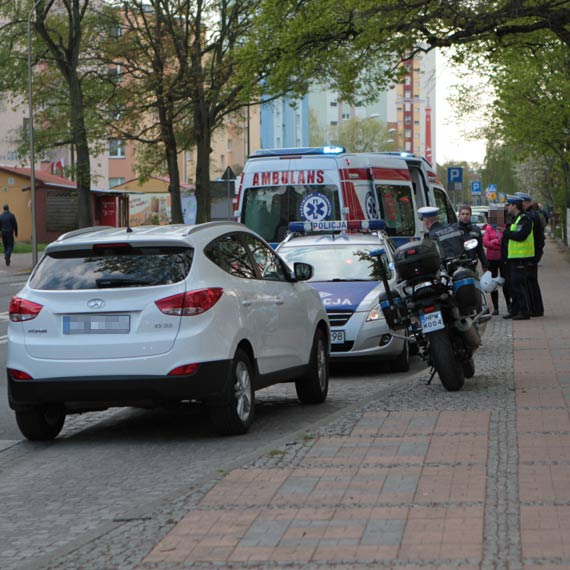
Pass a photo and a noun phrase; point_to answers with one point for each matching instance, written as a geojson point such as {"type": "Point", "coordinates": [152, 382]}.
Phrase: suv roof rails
{"type": "Point", "coordinates": [82, 231]}
{"type": "Point", "coordinates": [197, 227]}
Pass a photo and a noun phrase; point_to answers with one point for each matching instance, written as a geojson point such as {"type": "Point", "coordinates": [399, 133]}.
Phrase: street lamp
{"type": "Point", "coordinates": [31, 135]}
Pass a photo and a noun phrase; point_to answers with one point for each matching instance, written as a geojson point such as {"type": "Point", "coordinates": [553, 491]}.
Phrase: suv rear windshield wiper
{"type": "Point", "coordinates": [104, 283]}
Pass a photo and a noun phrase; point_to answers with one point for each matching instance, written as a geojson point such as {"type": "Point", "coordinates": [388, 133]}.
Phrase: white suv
{"type": "Point", "coordinates": [158, 315]}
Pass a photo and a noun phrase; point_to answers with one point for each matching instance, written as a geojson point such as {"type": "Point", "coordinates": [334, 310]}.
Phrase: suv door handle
{"type": "Point", "coordinates": [246, 303]}
{"type": "Point", "coordinates": [279, 300]}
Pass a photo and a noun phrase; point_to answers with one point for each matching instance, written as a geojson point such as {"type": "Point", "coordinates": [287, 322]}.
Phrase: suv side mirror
{"type": "Point", "coordinates": [302, 271]}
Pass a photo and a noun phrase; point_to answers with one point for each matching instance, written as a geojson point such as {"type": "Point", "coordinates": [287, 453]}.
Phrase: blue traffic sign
{"type": "Point", "coordinates": [454, 175]}
{"type": "Point", "coordinates": [476, 188]}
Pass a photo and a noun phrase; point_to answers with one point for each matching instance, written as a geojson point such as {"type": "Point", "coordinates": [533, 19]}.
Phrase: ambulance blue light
{"type": "Point", "coordinates": [333, 149]}
{"type": "Point", "coordinates": [299, 151]}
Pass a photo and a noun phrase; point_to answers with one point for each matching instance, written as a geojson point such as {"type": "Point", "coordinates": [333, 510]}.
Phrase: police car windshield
{"type": "Point", "coordinates": [337, 262]}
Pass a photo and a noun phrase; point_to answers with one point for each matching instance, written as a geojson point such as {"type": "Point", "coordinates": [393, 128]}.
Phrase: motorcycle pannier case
{"type": "Point", "coordinates": [394, 313]}
{"type": "Point", "coordinates": [416, 259]}
{"type": "Point", "coordinates": [467, 290]}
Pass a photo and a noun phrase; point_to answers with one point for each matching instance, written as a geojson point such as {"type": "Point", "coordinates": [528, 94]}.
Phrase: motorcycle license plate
{"type": "Point", "coordinates": [432, 322]}
{"type": "Point", "coordinates": [337, 337]}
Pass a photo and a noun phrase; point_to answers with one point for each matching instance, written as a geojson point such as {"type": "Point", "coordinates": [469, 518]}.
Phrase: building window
{"type": "Point", "coordinates": [116, 181]}
{"type": "Point", "coordinates": [117, 31]}
{"type": "Point", "coordinates": [334, 103]}
{"type": "Point", "coordinates": [116, 148]}
{"type": "Point", "coordinates": [408, 133]}
{"type": "Point", "coordinates": [408, 120]}
{"type": "Point", "coordinates": [334, 123]}
{"type": "Point", "coordinates": [230, 144]}
{"type": "Point", "coordinates": [408, 146]}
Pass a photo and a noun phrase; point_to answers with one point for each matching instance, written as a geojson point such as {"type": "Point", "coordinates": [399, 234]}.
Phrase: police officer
{"type": "Point", "coordinates": [471, 231]}
{"type": "Point", "coordinates": [535, 295]}
{"type": "Point", "coordinates": [9, 227]}
{"type": "Point", "coordinates": [448, 236]}
{"type": "Point", "coordinates": [520, 252]}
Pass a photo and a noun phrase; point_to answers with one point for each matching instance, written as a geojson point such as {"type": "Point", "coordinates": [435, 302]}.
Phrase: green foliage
{"type": "Point", "coordinates": [361, 135]}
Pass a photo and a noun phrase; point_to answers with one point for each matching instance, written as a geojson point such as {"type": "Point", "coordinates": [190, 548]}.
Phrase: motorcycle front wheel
{"type": "Point", "coordinates": [443, 359]}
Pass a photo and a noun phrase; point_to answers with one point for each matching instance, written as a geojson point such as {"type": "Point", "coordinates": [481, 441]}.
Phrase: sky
{"type": "Point", "coordinates": [450, 144]}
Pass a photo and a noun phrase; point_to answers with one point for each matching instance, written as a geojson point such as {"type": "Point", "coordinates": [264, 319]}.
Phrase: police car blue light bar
{"type": "Point", "coordinates": [299, 151]}
{"type": "Point", "coordinates": [336, 226]}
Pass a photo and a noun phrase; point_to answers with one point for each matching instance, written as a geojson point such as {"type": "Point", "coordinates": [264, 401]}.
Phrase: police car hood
{"type": "Point", "coordinates": [348, 295]}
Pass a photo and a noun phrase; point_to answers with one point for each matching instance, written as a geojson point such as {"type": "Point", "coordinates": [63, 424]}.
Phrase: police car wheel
{"type": "Point", "coordinates": [402, 362]}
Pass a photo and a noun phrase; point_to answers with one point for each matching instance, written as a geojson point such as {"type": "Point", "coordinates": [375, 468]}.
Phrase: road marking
{"type": "Point", "coordinates": [4, 316]}
{"type": "Point", "coordinates": [4, 339]}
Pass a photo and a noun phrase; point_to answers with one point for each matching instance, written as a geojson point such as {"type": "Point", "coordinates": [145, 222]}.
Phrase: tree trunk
{"type": "Point", "coordinates": [85, 215]}
{"type": "Point", "coordinates": [171, 148]}
{"type": "Point", "coordinates": [203, 202]}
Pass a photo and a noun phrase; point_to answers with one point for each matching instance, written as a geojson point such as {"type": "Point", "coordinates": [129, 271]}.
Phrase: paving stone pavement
{"type": "Point", "coordinates": [416, 478]}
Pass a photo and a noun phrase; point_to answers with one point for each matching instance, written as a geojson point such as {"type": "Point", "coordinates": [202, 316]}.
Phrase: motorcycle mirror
{"type": "Point", "coordinates": [470, 244]}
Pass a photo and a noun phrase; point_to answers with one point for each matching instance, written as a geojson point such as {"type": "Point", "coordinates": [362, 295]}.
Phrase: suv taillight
{"type": "Point", "coordinates": [190, 303]}
{"type": "Point", "coordinates": [23, 310]}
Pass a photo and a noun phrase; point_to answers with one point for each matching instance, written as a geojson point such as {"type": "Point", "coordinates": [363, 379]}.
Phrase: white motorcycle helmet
{"type": "Point", "coordinates": [490, 283]}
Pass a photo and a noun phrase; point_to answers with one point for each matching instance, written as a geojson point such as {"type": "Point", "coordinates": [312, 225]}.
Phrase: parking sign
{"type": "Point", "coordinates": [455, 175]}
{"type": "Point", "coordinates": [476, 188]}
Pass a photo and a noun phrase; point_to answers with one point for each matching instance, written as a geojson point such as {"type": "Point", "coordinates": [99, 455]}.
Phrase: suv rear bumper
{"type": "Point", "coordinates": [208, 383]}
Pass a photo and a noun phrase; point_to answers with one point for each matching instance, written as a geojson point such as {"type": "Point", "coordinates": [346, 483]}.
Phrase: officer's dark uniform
{"type": "Point", "coordinates": [518, 264]}
{"type": "Point", "coordinates": [535, 295]}
{"type": "Point", "coordinates": [9, 227]}
{"type": "Point", "coordinates": [471, 231]}
{"type": "Point", "coordinates": [449, 238]}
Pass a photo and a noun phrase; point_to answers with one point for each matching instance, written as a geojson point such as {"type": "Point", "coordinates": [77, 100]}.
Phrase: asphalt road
{"type": "Point", "coordinates": [110, 464]}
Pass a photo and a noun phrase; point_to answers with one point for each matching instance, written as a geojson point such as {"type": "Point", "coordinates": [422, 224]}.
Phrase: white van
{"type": "Point", "coordinates": [278, 186]}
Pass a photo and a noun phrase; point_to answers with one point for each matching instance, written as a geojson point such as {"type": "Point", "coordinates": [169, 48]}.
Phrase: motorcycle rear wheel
{"type": "Point", "coordinates": [450, 370]}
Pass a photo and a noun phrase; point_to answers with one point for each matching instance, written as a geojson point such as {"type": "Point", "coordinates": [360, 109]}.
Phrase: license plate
{"type": "Point", "coordinates": [337, 337]}
{"type": "Point", "coordinates": [432, 322]}
{"type": "Point", "coordinates": [96, 324]}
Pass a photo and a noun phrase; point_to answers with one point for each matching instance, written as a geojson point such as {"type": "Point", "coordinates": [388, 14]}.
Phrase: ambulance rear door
{"type": "Point", "coordinates": [394, 190]}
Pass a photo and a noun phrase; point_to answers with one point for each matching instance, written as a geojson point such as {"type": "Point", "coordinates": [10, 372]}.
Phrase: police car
{"type": "Point", "coordinates": [346, 264]}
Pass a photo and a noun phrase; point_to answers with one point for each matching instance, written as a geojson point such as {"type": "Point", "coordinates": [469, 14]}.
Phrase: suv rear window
{"type": "Point", "coordinates": [106, 267]}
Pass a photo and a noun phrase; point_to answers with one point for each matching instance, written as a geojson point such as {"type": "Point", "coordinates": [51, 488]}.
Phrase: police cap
{"type": "Point", "coordinates": [514, 199]}
{"type": "Point", "coordinates": [428, 212]}
{"type": "Point", "coordinates": [524, 196]}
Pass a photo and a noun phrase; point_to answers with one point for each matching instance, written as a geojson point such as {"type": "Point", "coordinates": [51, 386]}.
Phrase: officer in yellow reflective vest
{"type": "Point", "coordinates": [520, 253]}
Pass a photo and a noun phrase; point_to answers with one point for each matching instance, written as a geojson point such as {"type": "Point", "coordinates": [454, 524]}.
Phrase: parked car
{"type": "Point", "coordinates": [161, 315]}
{"type": "Point", "coordinates": [347, 278]}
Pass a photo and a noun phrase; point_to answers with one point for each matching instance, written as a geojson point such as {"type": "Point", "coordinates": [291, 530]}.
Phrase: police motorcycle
{"type": "Point", "coordinates": [440, 303]}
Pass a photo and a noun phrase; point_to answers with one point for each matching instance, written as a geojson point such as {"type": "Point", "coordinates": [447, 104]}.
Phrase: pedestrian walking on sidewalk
{"type": "Point", "coordinates": [520, 253]}
{"type": "Point", "coordinates": [535, 295]}
{"type": "Point", "coordinates": [9, 227]}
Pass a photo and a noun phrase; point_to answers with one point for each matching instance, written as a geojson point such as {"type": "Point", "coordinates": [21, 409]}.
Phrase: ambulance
{"type": "Point", "coordinates": [315, 184]}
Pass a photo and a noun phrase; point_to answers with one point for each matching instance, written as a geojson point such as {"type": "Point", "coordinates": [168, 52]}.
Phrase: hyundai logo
{"type": "Point", "coordinates": [96, 303]}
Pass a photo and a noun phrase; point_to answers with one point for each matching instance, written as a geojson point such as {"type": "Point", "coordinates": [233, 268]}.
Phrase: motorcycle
{"type": "Point", "coordinates": [439, 303]}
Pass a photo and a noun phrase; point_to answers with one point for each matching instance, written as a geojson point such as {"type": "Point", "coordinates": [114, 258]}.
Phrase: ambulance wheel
{"type": "Point", "coordinates": [443, 358]}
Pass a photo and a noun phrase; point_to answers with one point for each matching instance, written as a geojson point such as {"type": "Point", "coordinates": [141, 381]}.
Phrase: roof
{"type": "Point", "coordinates": [163, 179]}
{"type": "Point", "coordinates": [42, 177]}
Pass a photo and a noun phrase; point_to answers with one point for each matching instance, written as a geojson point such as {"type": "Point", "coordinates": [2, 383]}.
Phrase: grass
{"type": "Point", "coordinates": [26, 247]}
